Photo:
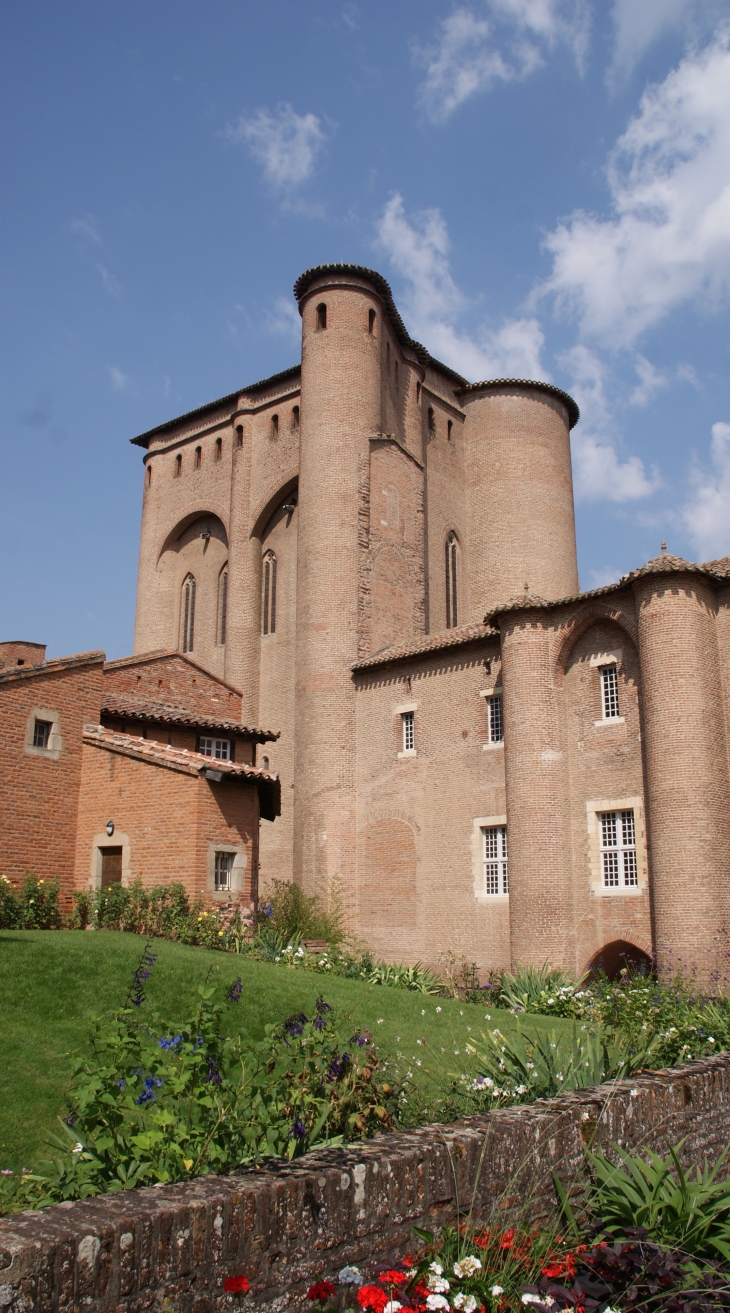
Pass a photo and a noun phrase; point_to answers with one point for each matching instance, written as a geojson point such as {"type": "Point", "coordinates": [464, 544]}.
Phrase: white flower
{"type": "Point", "coordinates": [380, 1021]}
{"type": "Point", "coordinates": [468, 1267]}
{"type": "Point", "coordinates": [392, 1306]}
{"type": "Point", "coordinates": [438, 1009]}
{"type": "Point", "coordinates": [78, 1147]}
{"type": "Point", "coordinates": [547, 1300]}
{"type": "Point", "coordinates": [496, 1290]}
{"type": "Point", "coordinates": [437, 1268]}
{"type": "Point", "coordinates": [466, 1303]}
{"type": "Point", "coordinates": [436, 1301]}
{"type": "Point", "coordinates": [439, 1285]}
{"type": "Point", "coordinates": [351, 1276]}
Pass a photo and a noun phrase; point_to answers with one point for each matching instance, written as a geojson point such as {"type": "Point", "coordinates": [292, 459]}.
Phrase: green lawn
{"type": "Point", "coordinates": [53, 981]}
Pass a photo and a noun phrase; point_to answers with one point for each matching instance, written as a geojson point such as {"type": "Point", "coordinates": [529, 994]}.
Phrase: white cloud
{"type": "Point", "coordinates": [111, 284]}
{"type": "Point", "coordinates": [474, 52]}
{"type": "Point", "coordinates": [638, 25]}
{"type": "Point", "coordinates": [668, 241]}
{"type": "Point", "coordinates": [418, 250]}
{"type": "Point", "coordinates": [88, 228]}
{"type": "Point", "coordinates": [284, 319]}
{"type": "Point", "coordinates": [650, 382]}
{"type": "Point", "coordinates": [706, 514]}
{"type": "Point", "coordinates": [608, 574]}
{"type": "Point", "coordinates": [599, 473]}
{"type": "Point", "coordinates": [285, 143]}
{"type": "Point", "coordinates": [119, 380]}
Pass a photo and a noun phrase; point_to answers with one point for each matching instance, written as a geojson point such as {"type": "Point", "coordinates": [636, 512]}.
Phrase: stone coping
{"type": "Point", "coordinates": [171, 1247]}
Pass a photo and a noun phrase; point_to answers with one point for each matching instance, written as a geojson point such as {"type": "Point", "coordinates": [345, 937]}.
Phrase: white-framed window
{"type": "Point", "coordinates": [617, 835]}
{"type": "Point", "coordinates": [494, 716]}
{"type": "Point", "coordinates": [408, 721]}
{"type": "Point", "coordinates": [496, 875]}
{"type": "Point", "coordinates": [222, 870]}
{"type": "Point", "coordinates": [219, 748]}
{"type": "Point", "coordinates": [609, 692]}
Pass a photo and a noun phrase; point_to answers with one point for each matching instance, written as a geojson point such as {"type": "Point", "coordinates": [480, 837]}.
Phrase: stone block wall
{"type": "Point", "coordinates": [173, 1246]}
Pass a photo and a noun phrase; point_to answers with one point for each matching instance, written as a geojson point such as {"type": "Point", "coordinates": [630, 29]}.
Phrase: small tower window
{"type": "Point", "coordinates": [321, 315]}
{"type": "Point", "coordinates": [274, 426]}
{"type": "Point", "coordinates": [396, 375]}
{"type": "Point", "coordinates": [450, 430]}
{"type": "Point", "coordinates": [222, 604]}
{"type": "Point", "coordinates": [149, 475]}
{"type": "Point", "coordinates": [198, 457]}
{"type": "Point", "coordinates": [295, 417]}
{"type": "Point", "coordinates": [269, 607]}
{"type": "Point", "coordinates": [188, 614]}
{"type": "Point", "coordinates": [178, 465]}
{"type": "Point", "coordinates": [239, 435]}
{"type": "Point", "coordinates": [218, 448]}
{"type": "Point", "coordinates": [609, 692]}
{"type": "Point", "coordinates": [371, 321]}
{"type": "Point", "coordinates": [409, 731]}
{"type": "Point", "coordinates": [418, 392]}
{"type": "Point", "coordinates": [431, 420]}
{"type": "Point", "coordinates": [387, 355]}
{"type": "Point", "coordinates": [452, 600]}
{"type": "Point", "coordinates": [496, 727]}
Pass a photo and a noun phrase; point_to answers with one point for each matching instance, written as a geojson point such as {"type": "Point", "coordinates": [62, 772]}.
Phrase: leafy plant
{"type": "Point", "coordinates": [544, 989]}
{"type": "Point", "coordinates": [684, 1210]}
{"type": "Point", "coordinates": [294, 914]}
{"type": "Point", "coordinates": [33, 905]}
{"type": "Point", "coordinates": [396, 974]}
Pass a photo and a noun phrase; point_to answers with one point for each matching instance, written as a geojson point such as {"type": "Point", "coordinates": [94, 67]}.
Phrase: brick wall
{"type": "Point", "coordinates": [40, 791]}
{"type": "Point", "coordinates": [287, 1226]}
{"type": "Point", "coordinates": [171, 678]}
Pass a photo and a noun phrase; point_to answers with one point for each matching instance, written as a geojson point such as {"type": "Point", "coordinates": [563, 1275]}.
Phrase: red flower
{"type": "Point", "coordinates": [392, 1278]}
{"type": "Point", "coordinates": [321, 1290]}
{"type": "Point", "coordinates": [407, 1260]}
{"type": "Point", "coordinates": [507, 1238]}
{"type": "Point", "coordinates": [235, 1285]}
{"type": "Point", "coordinates": [553, 1270]}
{"type": "Point", "coordinates": [372, 1297]}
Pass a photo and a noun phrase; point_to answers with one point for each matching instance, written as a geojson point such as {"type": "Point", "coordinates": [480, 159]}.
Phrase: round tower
{"type": "Point", "coordinates": [688, 792]}
{"type": "Point", "coordinates": [342, 317]}
{"type": "Point", "coordinates": [519, 488]}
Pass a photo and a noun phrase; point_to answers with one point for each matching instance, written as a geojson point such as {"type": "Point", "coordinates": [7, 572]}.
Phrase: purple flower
{"type": "Point", "coordinates": [213, 1076]}
{"type": "Point", "coordinates": [294, 1025]}
{"type": "Point", "coordinates": [322, 1007]}
{"type": "Point", "coordinates": [298, 1130]}
{"type": "Point", "coordinates": [360, 1040]}
{"type": "Point", "coordinates": [235, 991]}
{"type": "Point", "coordinates": [169, 1043]}
{"type": "Point", "coordinates": [338, 1065]}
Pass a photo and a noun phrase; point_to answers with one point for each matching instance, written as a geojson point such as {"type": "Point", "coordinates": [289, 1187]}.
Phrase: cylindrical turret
{"type": "Point", "coordinates": [519, 486]}
{"type": "Point", "coordinates": [688, 793]}
{"type": "Point", "coordinates": [340, 409]}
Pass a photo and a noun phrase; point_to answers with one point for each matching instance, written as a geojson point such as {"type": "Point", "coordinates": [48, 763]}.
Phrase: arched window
{"type": "Point", "coordinates": [452, 566]}
{"type": "Point", "coordinates": [322, 315]}
{"type": "Point", "coordinates": [269, 607]}
{"type": "Point", "coordinates": [450, 430]}
{"type": "Point", "coordinates": [387, 356]}
{"type": "Point", "coordinates": [274, 426]}
{"type": "Point", "coordinates": [187, 626]}
{"type": "Point", "coordinates": [418, 392]}
{"type": "Point", "coordinates": [396, 375]}
{"type": "Point", "coordinates": [371, 321]}
{"type": "Point", "coordinates": [295, 417]}
{"type": "Point", "coordinates": [222, 604]}
{"type": "Point", "coordinates": [178, 465]}
{"type": "Point", "coordinates": [218, 448]}
{"type": "Point", "coordinates": [431, 420]}
{"type": "Point", "coordinates": [198, 457]}
{"type": "Point", "coordinates": [149, 475]}
{"type": "Point", "coordinates": [239, 435]}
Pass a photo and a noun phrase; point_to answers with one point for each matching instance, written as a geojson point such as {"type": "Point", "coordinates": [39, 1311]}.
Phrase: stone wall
{"type": "Point", "coordinates": [173, 1246]}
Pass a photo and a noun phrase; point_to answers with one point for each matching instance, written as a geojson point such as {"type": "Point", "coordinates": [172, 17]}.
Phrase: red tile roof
{"type": "Point", "coordinates": [127, 707]}
{"type": "Point", "coordinates": [413, 647]}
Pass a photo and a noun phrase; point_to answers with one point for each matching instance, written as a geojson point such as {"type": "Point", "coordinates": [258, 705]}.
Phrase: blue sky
{"type": "Point", "coordinates": [545, 184]}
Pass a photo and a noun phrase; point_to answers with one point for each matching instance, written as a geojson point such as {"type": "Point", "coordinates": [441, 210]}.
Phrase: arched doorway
{"type": "Point", "coordinates": [617, 956]}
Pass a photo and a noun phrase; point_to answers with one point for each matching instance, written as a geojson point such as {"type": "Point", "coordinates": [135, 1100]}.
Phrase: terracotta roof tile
{"type": "Point", "coordinates": [150, 709]}
{"type": "Point", "coordinates": [179, 759]}
{"type": "Point", "coordinates": [143, 439]}
{"type": "Point", "coordinates": [493, 383]}
{"type": "Point", "coordinates": [423, 646]}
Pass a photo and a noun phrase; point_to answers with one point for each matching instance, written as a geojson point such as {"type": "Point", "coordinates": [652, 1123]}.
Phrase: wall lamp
{"type": "Point", "coordinates": [110, 828]}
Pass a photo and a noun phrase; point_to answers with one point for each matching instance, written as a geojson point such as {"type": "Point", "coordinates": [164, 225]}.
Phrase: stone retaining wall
{"type": "Point", "coordinates": [173, 1246]}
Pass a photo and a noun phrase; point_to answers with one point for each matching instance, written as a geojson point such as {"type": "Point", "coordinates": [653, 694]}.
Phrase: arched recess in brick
{"type": "Point", "coordinates": [621, 955]}
{"type": "Point", "coordinates": [391, 599]}
{"type": "Point", "coordinates": [196, 547]}
{"type": "Point", "coordinates": [582, 620]}
{"type": "Point", "coordinates": [386, 878]}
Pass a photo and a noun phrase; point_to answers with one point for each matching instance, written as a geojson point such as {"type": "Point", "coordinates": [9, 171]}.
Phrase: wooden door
{"type": "Point", "coordinates": [111, 866]}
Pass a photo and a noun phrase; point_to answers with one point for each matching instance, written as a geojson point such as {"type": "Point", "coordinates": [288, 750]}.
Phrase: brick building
{"type": "Point", "coordinates": [135, 769]}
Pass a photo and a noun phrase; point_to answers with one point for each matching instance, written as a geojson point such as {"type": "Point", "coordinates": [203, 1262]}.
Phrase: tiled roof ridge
{"type": "Point", "coordinates": [142, 439]}
{"type": "Point", "coordinates": [383, 288]}
{"type": "Point", "coordinates": [52, 666]}
{"type": "Point", "coordinates": [549, 388]}
{"type": "Point", "coordinates": [158, 654]}
{"type": "Point", "coordinates": [147, 708]}
{"type": "Point", "coordinates": [181, 759]}
{"type": "Point", "coordinates": [665, 563]}
{"type": "Point", "coordinates": [444, 640]}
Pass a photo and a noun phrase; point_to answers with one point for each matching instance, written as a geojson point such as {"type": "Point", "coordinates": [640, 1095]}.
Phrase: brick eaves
{"type": "Point", "coordinates": [177, 759]}
{"type": "Point", "coordinates": [494, 383]}
{"type": "Point", "coordinates": [431, 643]}
{"type": "Point", "coordinates": [143, 439]}
{"type": "Point", "coordinates": [54, 666]}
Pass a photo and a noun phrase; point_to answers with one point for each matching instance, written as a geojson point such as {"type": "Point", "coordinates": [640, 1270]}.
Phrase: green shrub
{"type": "Point", "coordinates": [9, 906]}
{"type": "Point", "coordinates": [396, 974]}
{"type": "Point", "coordinates": [686, 1210]}
{"type": "Point", "coordinates": [294, 914]}
{"type": "Point", "coordinates": [546, 990]}
{"type": "Point", "coordinates": [31, 906]}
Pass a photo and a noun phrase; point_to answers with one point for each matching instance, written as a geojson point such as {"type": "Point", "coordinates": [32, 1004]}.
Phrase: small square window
{"type": "Point", "coordinates": [409, 731]}
{"type": "Point", "coordinates": [223, 868]}
{"type": "Point", "coordinates": [218, 748]}
{"type": "Point", "coordinates": [42, 733]}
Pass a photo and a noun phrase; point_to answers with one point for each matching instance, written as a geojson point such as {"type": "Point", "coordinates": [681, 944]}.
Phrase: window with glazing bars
{"type": "Point", "coordinates": [220, 748]}
{"type": "Point", "coordinates": [609, 692]}
{"type": "Point", "coordinates": [618, 849]}
{"type": "Point", "coordinates": [409, 731]}
{"type": "Point", "coordinates": [496, 878]}
{"type": "Point", "coordinates": [188, 614]}
{"type": "Point", "coordinates": [496, 732]}
{"type": "Point", "coordinates": [269, 593]}
{"type": "Point", "coordinates": [42, 733]}
{"type": "Point", "coordinates": [452, 601]}
{"type": "Point", "coordinates": [223, 868]}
